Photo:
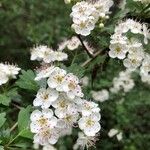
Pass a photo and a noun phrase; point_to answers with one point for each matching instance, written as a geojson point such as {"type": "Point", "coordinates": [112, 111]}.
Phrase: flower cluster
{"type": "Point", "coordinates": [7, 72]}
{"type": "Point", "coordinates": [62, 107]}
{"type": "Point", "coordinates": [46, 54]}
{"type": "Point", "coordinates": [123, 82]}
{"type": "Point", "coordinates": [85, 15]}
{"type": "Point", "coordinates": [130, 50]}
{"type": "Point", "coordinates": [100, 96]}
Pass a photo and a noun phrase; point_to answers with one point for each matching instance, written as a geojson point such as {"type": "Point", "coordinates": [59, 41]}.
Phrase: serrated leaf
{"type": "Point", "coordinates": [24, 122]}
{"type": "Point", "coordinates": [76, 70]}
{"type": "Point", "coordinates": [4, 99]}
{"type": "Point", "coordinates": [27, 81]}
{"type": "Point", "coordinates": [2, 119]}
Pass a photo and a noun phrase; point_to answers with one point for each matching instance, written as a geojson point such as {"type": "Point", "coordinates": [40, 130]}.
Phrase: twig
{"type": "Point", "coordinates": [16, 106]}
{"type": "Point", "coordinates": [83, 45]}
{"type": "Point", "coordinates": [91, 59]}
{"type": "Point", "coordinates": [14, 126]}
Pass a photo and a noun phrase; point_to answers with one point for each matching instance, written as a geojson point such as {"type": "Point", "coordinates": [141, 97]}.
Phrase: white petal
{"type": "Point", "coordinates": [36, 114]}
{"type": "Point", "coordinates": [37, 102]}
{"type": "Point", "coordinates": [47, 113]}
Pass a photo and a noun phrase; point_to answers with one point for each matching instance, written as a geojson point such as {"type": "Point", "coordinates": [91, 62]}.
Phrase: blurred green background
{"type": "Point", "coordinates": [25, 23]}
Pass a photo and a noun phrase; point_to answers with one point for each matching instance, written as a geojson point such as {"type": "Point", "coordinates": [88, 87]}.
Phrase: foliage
{"type": "Point", "coordinates": [26, 23]}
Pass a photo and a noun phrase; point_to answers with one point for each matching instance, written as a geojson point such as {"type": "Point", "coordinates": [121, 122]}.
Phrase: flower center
{"type": "Point", "coordinates": [59, 79]}
{"type": "Point", "coordinates": [133, 61]}
{"type": "Point", "coordinates": [89, 122]}
{"type": "Point", "coordinates": [118, 49]}
{"type": "Point", "coordinates": [42, 121]}
{"type": "Point", "coordinates": [62, 104]}
{"type": "Point", "coordinates": [45, 97]}
{"type": "Point", "coordinates": [72, 85]}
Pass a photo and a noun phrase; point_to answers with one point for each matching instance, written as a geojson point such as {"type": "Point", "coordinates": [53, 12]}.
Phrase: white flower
{"type": "Point", "coordinates": [88, 108]}
{"type": "Point", "coordinates": [73, 43]}
{"type": "Point", "coordinates": [132, 61]}
{"type": "Point", "coordinates": [119, 136]}
{"type": "Point", "coordinates": [118, 38]}
{"type": "Point", "coordinates": [90, 124]}
{"type": "Point", "coordinates": [67, 1]}
{"type": "Point", "coordinates": [100, 95]}
{"type": "Point", "coordinates": [118, 50]}
{"type": "Point", "coordinates": [112, 132]}
{"type": "Point", "coordinates": [46, 136]}
{"type": "Point", "coordinates": [116, 132]}
{"type": "Point", "coordinates": [44, 73]}
{"type": "Point", "coordinates": [49, 147]}
{"type": "Point", "coordinates": [3, 78]}
{"type": "Point", "coordinates": [84, 27]}
{"type": "Point", "coordinates": [69, 120]}
{"type": "Point", "coordinates": [103, 7]}
{"type": "Point", "coordinates": [8, 72]}
{"type": "Point", "coordinates": [84, 141]}
{"type": "Point", "coordinates": [146, 33]}
{"type": "Point", "coordinates": [145, 78]}
{"type": "Point", "coordinates": [56, 78]}
{"type": "Point", "coordinates": [40, 52]}
{"type": "Point", "coordinates": [85, 81]}
{"type": "Point", "coordinates": [123, 82]}
{"type": "Point", "coordinates": [40, 120]}
{"type": "Point", "coordinates": [61, 105]}
{"type": "Point", "coordinates": [71, 86]}
{"type": "Point", "coordinates": [62, 45]}
{"type": "Point", "coordinates": [45, 97]}
{"type": "Point", "coordinates": [135, 27]}
{"type": "Point", "coordinates": [84, 17]}
{"type": "Point", "coordinates": [59, 56]}
{"type": "Point", "coordinates": [145, 68]}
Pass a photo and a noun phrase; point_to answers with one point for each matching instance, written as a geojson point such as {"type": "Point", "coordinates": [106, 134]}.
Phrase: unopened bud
{"type": "Point", "coordinates": [67, 1]}
{"type": "Point", "coordinates": [101, 25]}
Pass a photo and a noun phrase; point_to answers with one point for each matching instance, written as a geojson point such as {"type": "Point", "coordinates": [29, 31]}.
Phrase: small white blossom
{"type": "Point", "coordinates": [7, 72]}
{"type": "Point", "coordinates": [112, 132]}
{"type": "Point", "coordinates": [146, 33]}
{"type": "Point", "coordinates": [46, 136]}
{"type": "Point", "coordinates": [84, 141]}
{"type": "Point", "coordinates": [100, 95]}
{"type": "Point", "coordinates": [88, 108]}
{"type": "Point", "coordinates": [90, 124]}
{"type": "Point", "coordinates": [45, 97]}
{"type": "Point", "coordinates": [40, 120]}
{"type": "Point", "coordinates": [56, 78]}
{"type": "Point", "coordinates": [71, 86]}
{"type": "Point", "coordinates": [49, 147]}
{"type": "Point", "coordinates": [118, 50]}
{"type": "Point", "coordinates": [44, 73]}
{"type": "Point", "coordinates": [85, 81]}
{"type": "Point", "coordinates": [119, 136]}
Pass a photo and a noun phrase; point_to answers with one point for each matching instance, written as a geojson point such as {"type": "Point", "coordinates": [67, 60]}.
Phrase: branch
{"type": "Point", "coordinates": [91, 59]}
{"type": "Point", "coordinates": [83, 45]}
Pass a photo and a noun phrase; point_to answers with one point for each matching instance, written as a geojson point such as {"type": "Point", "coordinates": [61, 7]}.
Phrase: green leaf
{"type": "Point", "coordinates": [27, 81]}
{"type": "Point", "coordinates": [1, 147]}
{"type": "Point", "coordinates": [4, 99]}
{"type": "Point", "coordinates": [24, 122]}
{"type": "Point", "coordinates": [2, 119]}
{"type": "Point", "coordinates": [76, 70]}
